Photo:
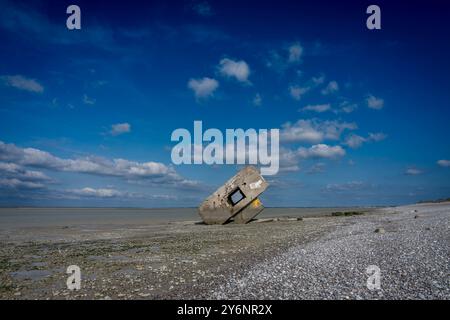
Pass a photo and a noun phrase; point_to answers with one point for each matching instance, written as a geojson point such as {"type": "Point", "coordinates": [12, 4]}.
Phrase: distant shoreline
{"type": "Point", "coordinates": [170, 208]}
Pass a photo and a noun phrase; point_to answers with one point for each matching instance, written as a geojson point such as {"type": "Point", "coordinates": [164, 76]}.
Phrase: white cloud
{"type": "Point", "coordinates": [9, 169]}
{"type": "Point", "coordinates": [109, 193]}
{"type": "Point", "coordinates": [297, 92]}
{"type": "Point", "coordinates": [290, 158]}
{"type": "Point", "coordinates": [257, 100]}
{"type": "Point", "coordinates": [22, 83]}
{"type": "Point", "coordinates": [333, 129]}
{"type": "Point", "coordinates": [295, 53]}
{"type": "Point", "coordinates": [13, 183]}
{"type": "Point", "coordinates": [444, 163]}
{"type": "Point", "coordinates": [321, 151]}
{"type": "Point", "coordinates": [332, 87]}
{"type": "Point", "coordinates": [129, 170]}
{"type": "Point", "coordinates": [301, 131]}
{"type": "Point", "coordinates": [347, 107]}
{"type": "Point", "coordinates": [317, 107]}
{"type": "Point", "coordinates": [97, 193]}
{"type": "Point", "coordinates": [412, 171]}
{"type": "Point", "coordinates": [120, 128]}
{"type": "Point", "coordinates": [314, 131]}
{"type": "Point", "coordinates": [235, 69]}
{"type": "Point", "coordinates": [88, 100]}
{"type": "Point", "coordinates": [355, 141]}
{"type": "Point", "coordinates": [374, 102]}
{"type": "Point", "coordinates": [203, 88]}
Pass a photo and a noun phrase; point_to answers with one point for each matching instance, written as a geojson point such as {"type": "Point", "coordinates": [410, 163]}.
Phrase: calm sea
{"type": "Point", "coordinates": [47, 217]}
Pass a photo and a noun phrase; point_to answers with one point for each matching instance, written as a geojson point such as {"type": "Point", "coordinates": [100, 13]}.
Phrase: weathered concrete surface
{"type": "Point", "coordinates": [222, 205]}
{"type": "Point", "coordinates": [249, 212]}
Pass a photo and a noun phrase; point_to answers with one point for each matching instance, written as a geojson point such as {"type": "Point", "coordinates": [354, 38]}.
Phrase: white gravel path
{"type": "Point", "coordinates": [412, 255]}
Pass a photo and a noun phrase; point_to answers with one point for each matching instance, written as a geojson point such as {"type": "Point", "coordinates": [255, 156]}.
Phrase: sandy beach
{"type": "Point", "coordinates": [320, 256]}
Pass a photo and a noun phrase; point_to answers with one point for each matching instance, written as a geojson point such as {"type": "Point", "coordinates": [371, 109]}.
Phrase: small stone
{"type": "Point", "coordinates": [263, 220]}
{"type": "Point", "coordinates": [380, 230]}
{"type": "Point", "coordinates": [144, 294]}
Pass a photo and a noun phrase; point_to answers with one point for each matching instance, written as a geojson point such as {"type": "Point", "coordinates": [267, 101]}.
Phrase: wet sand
{"type": "Point", "coordinates": [144, 256]}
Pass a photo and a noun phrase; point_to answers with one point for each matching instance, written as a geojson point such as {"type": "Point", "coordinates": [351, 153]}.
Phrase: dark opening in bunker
{"type": "Point", "coordinates": [236, 196]}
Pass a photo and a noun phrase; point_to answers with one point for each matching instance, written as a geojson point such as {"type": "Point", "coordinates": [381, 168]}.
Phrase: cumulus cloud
{"type": "Point", "coordinates": [332, 87]}
{"type": "Point", "coordinates": [290, 159]}
{"type": "Point", "coordinates": [374, 102]}
{"type": "Point", "coordinates": [9, 169]}
{"type": "Point", "coordinates": [110, 193]}
{"type": "Point", "coordinates": [332, 130]}
{"type": "Point", "coordinates": [301, 131]}
{"type": "Point", "coordinates": [444, 163]}
{"type": "Point", "coordinates": [97, 193]}
{"type": "Point", "coordinates": [314, 131]}
{"type": "Point", "coordinates": [321, 151]}
{"type": "Point", "coordinates": [154, 172]}
{"type": "Point", "coordinates": [22, 83]}
{"type": "Point", "coordinates": [347, 107]}
{"type": "Point", "coordinates": [295, 53]}
{"type": "Point", "coordinates": [317, 108]}
{"type": "Point", "coordinates": [120, 128]}
{"type": "Point", "coordinates": [16, 177]}
{"type": "Point", "coordinates": [355, 141]}
{"type": "Point", "coordinates": [297, 92]}
{"type": "Point", "coordinates": [235, 69]}
{"type": "Point", "coordinates": [13, 183]}
{"type": "Point", "coordinates": [203, 88]}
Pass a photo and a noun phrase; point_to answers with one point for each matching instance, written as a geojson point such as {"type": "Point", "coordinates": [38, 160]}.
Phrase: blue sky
{"type": "Point", "coordinates": [86, 115]}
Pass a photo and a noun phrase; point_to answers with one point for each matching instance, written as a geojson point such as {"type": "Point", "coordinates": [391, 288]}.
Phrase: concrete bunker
{"type": "Point", "coordinates": [236, 200]}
